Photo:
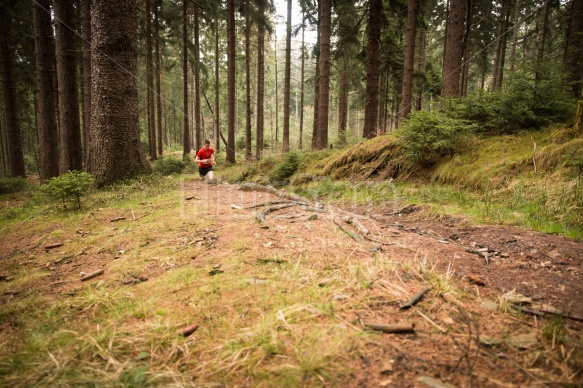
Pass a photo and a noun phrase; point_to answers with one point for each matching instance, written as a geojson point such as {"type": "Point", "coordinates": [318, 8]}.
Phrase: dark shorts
{"type": "Point", "coordinates": [202, 171]}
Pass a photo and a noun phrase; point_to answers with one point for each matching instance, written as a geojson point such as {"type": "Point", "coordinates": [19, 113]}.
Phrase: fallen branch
{"type": "Point", "coordinates": [479, 253]}
{"type": "Point", "coordinates": [415, 299]}
{"type": "Point", "coordinates": [359, 226]}
{"type": "Point", "coordinates": [92, 275]}
{"type": "Point", "coordinates": [62, 259]}
{"type": "Point", "coordinates": [271, 190]}
{"type": "Point", "coordinates": [541, 311]}
{"type": "Point", "coordinates": [394, 328]}
{"type": "Point", "coordinates": [352, 235]}
{"type": "Point", "coordinates": [117, 219]}
{"type": "Point", "coordinates": [288, 217]}
{"type": "Point", "coordinates": [274, 208]}
{"type": "Point", "coordinates": [368, 237]}
{"type": "Point", "coordinates": [269, 203]}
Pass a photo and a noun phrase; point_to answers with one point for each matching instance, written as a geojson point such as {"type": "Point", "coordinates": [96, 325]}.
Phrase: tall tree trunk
{"type": "Point", "coordinates": [13, 135]}
{"type": "Point", "coordinates": [407, 87]}
{"type": "Point", "coordinates": [217, 88]}
{"type": "Point", "coordinates": [197, 105]}
{"type": "Point", "coordinates": [159, 116]}
{"type": "Point", "coordinates": [373, 55]}
{"type": "Point", "coordinates": [542, 36]}
{"type": "Point", "coordinates": [303, 60]}
{"type": "Point", "coordinates": [231, 79]}
{"type": "Point", "coordinates": [453, 49]}
{"type": "Point", "coordinates": [115, 151]}
{"type": "Point", "coordinates": [86, 76]}
{"type": "Point", "coordinates": [186, 131]}
{"type": "Point", "coordinates": [276, 90]}
{"type": "Point", "coordinates": [342, 97]}
{"type": "Point", "coordinates": [500, 46]}
{"type": "Point", "coordinates": [150, 80]}
{"type": "Point", "coordinates": [420, 68]}
{"type": "Point", "coordinates": [248, 150]}
{"type": "Point", "coordinates": [260, 83]}
{"type": "Point", "coordinates": [467, 49]}
{"type": "Point", "coordinates": [324, 89]}
{"type": "Point", "coordinates": [46, 119]}
{"type": "Point", "coordinates": [71, 150]}
{"type": "Point", "coordinates": [316, 81]}
{"type": "Point", "coordinates": [516, 18]}
{"type": "Point", "coordinates": [287, 80]}
{"type": "Point", "coordinates": [574, 49]}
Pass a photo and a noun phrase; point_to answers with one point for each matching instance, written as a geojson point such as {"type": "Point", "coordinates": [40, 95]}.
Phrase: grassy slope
{"type": "Point", "coordinates": [500, 180]}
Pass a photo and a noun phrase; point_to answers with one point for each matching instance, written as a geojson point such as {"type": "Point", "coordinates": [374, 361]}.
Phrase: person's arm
{"type": "Point", "coordinates": [197, 160]}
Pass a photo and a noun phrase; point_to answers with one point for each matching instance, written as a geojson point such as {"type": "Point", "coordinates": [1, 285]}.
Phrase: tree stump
{"type": "Point", "coordinates": [579, 118]}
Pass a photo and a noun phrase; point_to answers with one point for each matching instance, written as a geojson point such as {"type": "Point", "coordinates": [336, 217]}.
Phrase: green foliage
{"type": "Point", "coordinates": [524, 103]}
{"type": "Point", "coordinates": [285, 169]}
{"type": "Point", "coordinates": [72, 185]}
{"type": "Point", "coordinates": [428, 136]}
{"type": "Point", "coordinates": [168, 165]}
{"type": "Point", "coordinates": [241, 142]}
{"type": "Point", "coordinates": [30, 164]}
{"type": "Point", "coordinates": [13, 185]}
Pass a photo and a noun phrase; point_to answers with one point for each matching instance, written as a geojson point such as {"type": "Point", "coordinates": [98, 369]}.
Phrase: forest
{"type": "Point", "coordinates": [398, 199]}
{"type": "Point", "coordinates": [206, 69]}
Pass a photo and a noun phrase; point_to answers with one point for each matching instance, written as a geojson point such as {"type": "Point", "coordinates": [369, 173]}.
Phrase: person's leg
{"type": "Point", "coordinates": [210, 175]}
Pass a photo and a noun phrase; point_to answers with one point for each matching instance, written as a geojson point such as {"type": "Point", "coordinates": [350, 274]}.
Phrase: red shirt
{"type": "Point", "coordinates": [205, 154]}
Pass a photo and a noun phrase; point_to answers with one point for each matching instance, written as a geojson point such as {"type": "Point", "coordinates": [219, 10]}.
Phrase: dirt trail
{"type": "Point", "coordinates": [324, 239]}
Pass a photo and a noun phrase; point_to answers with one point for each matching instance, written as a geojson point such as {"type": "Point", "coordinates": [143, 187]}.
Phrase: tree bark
{"type": "Point", "coordinates": [150, 81]}
{"type": "Point", "coordinates": [260, 83]}
{"type": "Point", "coordinates": [287, 80]}
{"type": "Point", "coordinates": [574, 49]}
{"type": "Point", "coordinates": [159, 132]}
{"type": "Point", "coordinates": [115, 151]}
{"type": "Point", "coordinates": [324, 89]}
{"type": "Point", "coordinates": [71, 150]}
{"type": "Point", "coordinates": [231, 79]}
{"type": "Point", "coordinates": [303, 61]}
{"type": "Point", "coordinates": [420, 68]}
{"type": "Point", "coordinates": [500, 47]}
{"type": "Point", "coordinates": [373, 56]}
{"type": "Point", "coordinates": [407, 87]}
{"type": "Point", "coordinates": [197, 105]}
{"type": "Point", "coordinates": [316, 81]}
{"type": "Point", "coordinates": [186, 130]}
{"type": "Point", "coordinates": [248, 150]}
{"type": "Point", "coordinates": [453, 49]}
{"type": "Point", "coordinates": [45, 89]}
{"type": "Point", "coordinates": [86, 75]}
{"type": "Point", "coordinates": [217, 87]}
{"type": "Point", "coordinates": [515, 20]}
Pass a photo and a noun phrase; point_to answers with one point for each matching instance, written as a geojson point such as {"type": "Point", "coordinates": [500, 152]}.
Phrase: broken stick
{"type": "Point", "coordinates": [92, 275]}
{"type": "Point", "coordinates": [415, 299]}
{"type": "Point", "coordinates": [187, 330]}
{"type": "Point", "coordinates": [394, 328]}
{"type": "Point", "coordinates": [53, 246]}
{"type": "Point", "coordinates": [354, 236]}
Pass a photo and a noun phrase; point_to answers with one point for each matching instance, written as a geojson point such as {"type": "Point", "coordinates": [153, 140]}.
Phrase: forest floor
{"type": "Point", "coordinates": [290, 298]}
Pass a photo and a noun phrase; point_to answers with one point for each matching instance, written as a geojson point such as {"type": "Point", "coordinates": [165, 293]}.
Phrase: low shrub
{"type": "Point", "coordinates": [285, 169]}
{"type": "Point", "coordinates": [429, 136]}
{"type": "Point", "coordinates": [13, 185]}
{"type": "Point", "coordinates": [72, 185]}
{"type": "Point", "coordinates": [169, 165]}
